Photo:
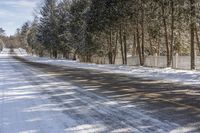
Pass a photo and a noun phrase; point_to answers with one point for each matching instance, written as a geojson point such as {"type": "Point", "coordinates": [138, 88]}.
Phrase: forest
{"type": "Point", "coordinates": [84, 29]}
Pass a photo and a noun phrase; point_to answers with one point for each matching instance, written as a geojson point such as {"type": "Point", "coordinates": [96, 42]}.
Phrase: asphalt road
{"type": "Point", "coordinates": [93, 101]}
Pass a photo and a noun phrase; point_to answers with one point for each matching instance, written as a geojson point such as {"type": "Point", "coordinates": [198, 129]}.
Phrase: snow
{"type": "Point", "coordinates": [32, 101]}
{"type": "Point", "coordinates": [166, 75]}
{"type": "Point", "coordinates": [22, 108]}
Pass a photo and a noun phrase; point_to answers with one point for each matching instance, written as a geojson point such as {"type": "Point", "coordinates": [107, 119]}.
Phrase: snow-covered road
{"type": "Point", "coordinates": [23, 107]}
{"type": "Point", "coordinates": [39, 98]}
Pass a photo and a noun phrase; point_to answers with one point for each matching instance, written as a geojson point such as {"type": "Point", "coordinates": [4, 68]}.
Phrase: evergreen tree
{"type": "Point", "coordinates": [48, 27]}
{"type": "Point", "coordinates": [78, 28]}
{"type": "Point", "coordinates": [2, 32]}
{"type": "Point", "coordinates": [111, 29]}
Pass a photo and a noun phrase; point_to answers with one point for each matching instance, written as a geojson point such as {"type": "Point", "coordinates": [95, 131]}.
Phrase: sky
{"type": "Point", "coordinates": [13, 13]}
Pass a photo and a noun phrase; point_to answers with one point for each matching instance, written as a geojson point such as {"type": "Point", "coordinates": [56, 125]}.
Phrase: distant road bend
{"type": "Point", "coordinates": [36, 97]}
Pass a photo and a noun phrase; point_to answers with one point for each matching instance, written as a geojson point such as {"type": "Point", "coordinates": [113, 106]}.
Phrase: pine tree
{"type": "Point", "coordinates": [65, 43]}
{"type": "Point", "coordinates": [48, 27]}
{"type": "Point", "coordinates": [78, 28]}
{"type": "Point", "coordinates": [2, 32]}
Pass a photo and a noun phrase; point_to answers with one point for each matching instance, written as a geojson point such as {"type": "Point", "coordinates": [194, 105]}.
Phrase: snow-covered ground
{"type": "Point", "coordinates": [23, 109]}
{"type": "Point", "coordinates": [167, 74]}
{"type": "Point", "coordinates": [33, 101]}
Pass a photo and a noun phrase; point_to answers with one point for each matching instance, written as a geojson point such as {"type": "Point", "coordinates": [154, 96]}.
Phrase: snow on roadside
{"type": "Point", "coordinates": [167, 74]}
{"type": "Point", "coordinates": [4, 52]}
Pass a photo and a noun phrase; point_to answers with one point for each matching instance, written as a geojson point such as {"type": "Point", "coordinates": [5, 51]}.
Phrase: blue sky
{"type": "Point", "coordinates": [13, 13]}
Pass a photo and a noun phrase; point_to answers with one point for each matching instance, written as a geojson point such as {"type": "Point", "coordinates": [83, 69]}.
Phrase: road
{"type": "Point", "coordinates": [35, 97]}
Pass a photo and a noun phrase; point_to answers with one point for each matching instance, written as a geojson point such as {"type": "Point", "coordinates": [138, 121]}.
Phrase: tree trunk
{"type": "Point", "coordinates": [41, 53]}
{"type": "Point", "coordinates": [166, 36]}
{"type": "Point", "coordinates": [121, 43]}
{"type": "Point", "coordinates": [125, 48]}
{"type": "Point", "coordinates": [55, 53]}
{"type": "Point", "coordinates": [138, 45]}
{"type": "Point", "coordinates": [192, 28]}
{"type": "Point", "coordinates": [172, 33]}
{"type": "Point", "coordinates": [50, 52]}
{"type": "Point", "coordinates": [115, 50]}
{"type": "Point", "coordinates": [134, 45]}
{"type": "Point", "coordinates": [142, 26]}
{"type": "Point", "coordinates": [151, 46]}
{"type": "Point", "coordinates": [74, 56]}
{"type": "Point", "coordinates": [110, 48]}
{"type": "Point", "coordinates": [75, 53]}
{"type": "Point", "coordinates": [197, 38]}
{"type": "Point", "coordinates": [64, 54]}
{"type": "Point", "coordinates": [88, 57]}
{"type": "Point", "coordinates": [158, 48]}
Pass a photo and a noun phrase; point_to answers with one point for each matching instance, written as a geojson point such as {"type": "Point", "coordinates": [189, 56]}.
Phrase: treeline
{"type": "Point", "coordinates": [114, 28]}
{"type": "Point", "coordinates": [2, 36]}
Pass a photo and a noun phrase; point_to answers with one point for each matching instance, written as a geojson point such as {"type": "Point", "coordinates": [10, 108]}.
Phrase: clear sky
{"type": "Point", "coordinates": [13, 13]}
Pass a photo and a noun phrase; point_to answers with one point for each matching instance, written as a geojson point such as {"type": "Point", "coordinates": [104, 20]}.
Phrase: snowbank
{"type": "Point", "coordinates": [167, 74]}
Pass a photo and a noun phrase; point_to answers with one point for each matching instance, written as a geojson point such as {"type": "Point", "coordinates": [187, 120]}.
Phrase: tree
{"type": "Point", "coordinates": [78, 28]}
{"type": "Point", "coordinates": [23, 34]}
{"type": "Point", "coordinates": [192, 34]}
{"type": "Point", "coordinates": [2, 32]}
{"type": "Point", "coordinates": [48, 27]}
{"type": "Point", "coordinates": [65, 44]}
{"type": "Point", "coordinates": [115, 29]}
{"type": "Point", "coordinates": [34, 46]}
